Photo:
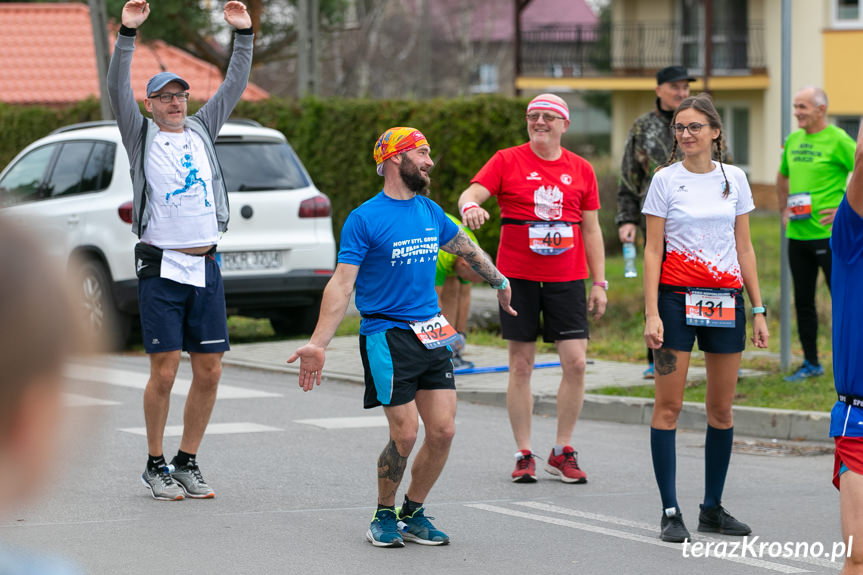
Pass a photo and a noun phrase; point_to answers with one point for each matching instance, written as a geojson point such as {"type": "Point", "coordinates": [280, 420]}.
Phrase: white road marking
{"type": "Point", "coordinates": [75, 400]}
{"type": "Point", "coordinates": [137, 380]}
{"type": "Point", "coordinates": [629, 536]}
{"type": "Point", "coordinates": [212, 429]}
{"type": "Point", "coordinates": [825, 563]}
{"type": "Point", "coordinates": [346, 422]}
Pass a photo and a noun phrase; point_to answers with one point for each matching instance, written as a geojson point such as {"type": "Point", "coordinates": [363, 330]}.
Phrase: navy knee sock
{"type": "Point", "coordinates": [717, 454]}
{"type": "Point", "coordinates": [663, 450]}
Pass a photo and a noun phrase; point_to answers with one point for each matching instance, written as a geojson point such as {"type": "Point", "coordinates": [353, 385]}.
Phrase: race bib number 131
{"type": "Point", "coordinates": [714, 308]}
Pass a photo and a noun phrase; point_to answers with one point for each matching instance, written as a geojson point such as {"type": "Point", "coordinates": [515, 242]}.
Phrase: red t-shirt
{"type": "Point", "coordinates": [530, 189]}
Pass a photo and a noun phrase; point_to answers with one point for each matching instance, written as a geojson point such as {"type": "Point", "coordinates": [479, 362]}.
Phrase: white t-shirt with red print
{"type": "Point", "coordinates": [699, 224]}
{"type": "Point", "coordinates": [530, 189]}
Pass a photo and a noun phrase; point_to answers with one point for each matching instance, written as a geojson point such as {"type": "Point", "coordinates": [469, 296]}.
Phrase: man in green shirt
{"type": "Point", "coordinates": [816, 161]}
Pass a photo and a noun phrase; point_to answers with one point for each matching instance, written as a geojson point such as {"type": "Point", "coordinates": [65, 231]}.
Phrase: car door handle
{"type": "Point", "coordinates": [73, 220]}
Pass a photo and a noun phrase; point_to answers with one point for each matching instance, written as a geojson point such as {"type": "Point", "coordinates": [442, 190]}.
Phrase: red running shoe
{"type": "Point", "coordinates": [566, 466]}
{"type": "Point", "coordinates": [525, 467]}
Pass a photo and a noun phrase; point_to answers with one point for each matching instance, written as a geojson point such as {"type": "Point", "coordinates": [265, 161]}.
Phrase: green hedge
{"type": "Point", "coordinates": [334, 139]}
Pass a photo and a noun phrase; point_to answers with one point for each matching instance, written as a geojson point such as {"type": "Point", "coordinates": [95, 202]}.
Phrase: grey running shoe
{"type": "Point", "coordinates": [190, 479]}
{"type": "Point", "coordinates": [161, 485]}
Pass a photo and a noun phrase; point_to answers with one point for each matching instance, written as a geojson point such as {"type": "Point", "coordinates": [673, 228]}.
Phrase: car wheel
{"type": "Point", "coordinates": [103, 321]}
{"type": "Point", "coordinates": [297, 320]}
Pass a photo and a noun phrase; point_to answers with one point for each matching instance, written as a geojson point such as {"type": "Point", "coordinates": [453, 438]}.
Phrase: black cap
{"type": "Point", "coordinates": [673, 74]}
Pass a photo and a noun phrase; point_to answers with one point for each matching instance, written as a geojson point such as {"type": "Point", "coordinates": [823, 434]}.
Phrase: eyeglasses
{"type": "Point", "coordinates": [547, 118]}
{"type": "Point", "coordinates": [693, 128]}
{"type": "Point", "coordinates": [166, 97]}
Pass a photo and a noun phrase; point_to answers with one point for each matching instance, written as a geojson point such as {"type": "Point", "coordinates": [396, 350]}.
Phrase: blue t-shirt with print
{"type": "Point", "coordinates": [395, 244]}
{"type": "Point", "coordinates": [847, 277]}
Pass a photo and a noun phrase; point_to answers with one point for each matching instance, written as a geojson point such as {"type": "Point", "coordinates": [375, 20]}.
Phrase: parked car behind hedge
{"type": "Point", "coordinates": [276, 257]}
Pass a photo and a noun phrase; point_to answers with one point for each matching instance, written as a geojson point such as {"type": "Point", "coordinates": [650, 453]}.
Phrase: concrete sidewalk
{"type": "Point", "coordinates": [343, 364]}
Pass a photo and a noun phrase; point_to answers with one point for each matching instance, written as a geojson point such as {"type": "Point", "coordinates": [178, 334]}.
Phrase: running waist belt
{"type": "Point", "coordinates": [852, 400]}
{"type": "Point", "coordinates": [515, 222]}
{"type": "Point", "coordinates": [681, 289]}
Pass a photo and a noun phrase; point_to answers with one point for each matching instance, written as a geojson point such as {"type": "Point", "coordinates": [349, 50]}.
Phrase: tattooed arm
{"type": "Point", "coordinates": [464, 247]}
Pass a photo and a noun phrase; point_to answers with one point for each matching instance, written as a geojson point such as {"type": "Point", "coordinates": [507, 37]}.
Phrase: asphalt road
{"type": "Point", "coordinates": [295, 490]}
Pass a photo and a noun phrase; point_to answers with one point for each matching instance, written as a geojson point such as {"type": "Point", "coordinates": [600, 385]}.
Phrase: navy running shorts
{"type": "Point", "coordinates": [180, 316]}
{"type": "Point", "coordinates": [396, 364]}
{"type": "Point", "coordinates": [563, 306]}
{"type": "Point", "coordinates": [680, 336]}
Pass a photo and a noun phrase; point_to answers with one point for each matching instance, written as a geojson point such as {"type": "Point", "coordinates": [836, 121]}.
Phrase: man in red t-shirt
{"type": "Point", "coordinates": [549, 239]}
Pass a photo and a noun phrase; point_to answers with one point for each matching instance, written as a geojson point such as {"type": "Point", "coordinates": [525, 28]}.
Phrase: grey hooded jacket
{"type": "Point", "coordinates": [206, 123]}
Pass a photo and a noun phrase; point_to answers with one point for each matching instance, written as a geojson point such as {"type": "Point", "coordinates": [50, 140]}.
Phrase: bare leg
{"type": "Point", "coordinates": [463, 307]}
{"type": "Point", "coordinates": [851, 510]}
{"type": "Point", "coordinates": [721, 382]}
{"type": "Point", "coordinates": [437, 409]}
{"type": "Point", "coordinates": [206, 372]}
{"type": "Point", "coordinates": [157, 397]}
{"type": "Point", "coordinates": [570, 394]}
{"type": "Point", "coordinates": [393, 459]}
{"type": "Point", "coordinates": [671, 367]}
{"type": "Point", "coordinates": [519, 400]}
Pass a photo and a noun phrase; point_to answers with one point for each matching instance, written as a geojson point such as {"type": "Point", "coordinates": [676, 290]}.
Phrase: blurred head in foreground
{"type": "Point", "coordinates": [38, 331]}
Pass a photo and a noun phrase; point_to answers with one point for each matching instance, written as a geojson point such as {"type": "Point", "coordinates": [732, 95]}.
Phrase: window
{"type": "Point", "coordinates": [99, 169]}
{"type": "Point", "coordinates": [847, 14]}
{"type": "Point", "coordinates": [250, 166]}
{"type": "Point", "coordinates": [735, 120]}
{"type": "Point", "coordinates": [849, 124]}
{"type": "Point", "coordinates": [485, 79]}
{"type": "Point", "coordinates": [729, 35]}
{"type": "Point", "coordinates": [23, 182]}
{"type": "Point", "coordinates": [69, 169]}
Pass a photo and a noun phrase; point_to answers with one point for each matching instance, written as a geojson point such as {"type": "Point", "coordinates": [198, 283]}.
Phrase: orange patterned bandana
{"type": "Point", "coordinates": [395, 141]}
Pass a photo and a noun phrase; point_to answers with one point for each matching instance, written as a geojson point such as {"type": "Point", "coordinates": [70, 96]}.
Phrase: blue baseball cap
{"type": "Point", "coordinates": [161, 79]}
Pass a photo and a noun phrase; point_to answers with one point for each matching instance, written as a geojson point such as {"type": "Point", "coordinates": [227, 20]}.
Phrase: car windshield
{"type": "Point", "coordinates": [259, 166]}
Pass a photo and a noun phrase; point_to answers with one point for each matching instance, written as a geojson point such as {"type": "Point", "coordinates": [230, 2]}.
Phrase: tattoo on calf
{"type": "Point", "coordinates": [391, 465]}
{"type": "Point", "coordinates": [665, 361]}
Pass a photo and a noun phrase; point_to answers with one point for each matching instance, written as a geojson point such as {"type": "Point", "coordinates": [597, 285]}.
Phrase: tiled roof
{"type": "Point", "coordinates": [47, 57]}
{"type": "Point", "coordinates": [494, 20]}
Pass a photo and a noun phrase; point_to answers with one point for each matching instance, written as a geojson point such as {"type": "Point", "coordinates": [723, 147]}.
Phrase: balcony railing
{"type": "Point", "coordinates": [639, 48]}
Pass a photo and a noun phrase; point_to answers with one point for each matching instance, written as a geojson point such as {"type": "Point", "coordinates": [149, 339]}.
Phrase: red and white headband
{"type": "Point", "coordinates": [543, 104]}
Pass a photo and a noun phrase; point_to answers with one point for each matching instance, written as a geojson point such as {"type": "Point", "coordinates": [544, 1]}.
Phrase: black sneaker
{"type": "Point", "coordinates": [672, 528]}
{"type": "Point", "coordinates": [718, 520]}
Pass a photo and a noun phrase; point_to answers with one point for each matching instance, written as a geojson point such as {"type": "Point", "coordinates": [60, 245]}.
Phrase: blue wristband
{"type": "Point", "coordinates": [503, 285]}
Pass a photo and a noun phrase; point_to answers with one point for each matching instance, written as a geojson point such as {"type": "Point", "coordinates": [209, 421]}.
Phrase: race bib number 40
{"type": "Point", "coordinates": [714, 308]}
{"type": "Point", "coordinates": [434, 332]}
{"type": "Point", "coordinates": [550, 239]}
{"type": "Point", "coordinates": [800, 206]}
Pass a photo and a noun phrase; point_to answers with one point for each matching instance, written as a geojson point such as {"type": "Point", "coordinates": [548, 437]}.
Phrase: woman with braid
{"type": "Point", "coordinates": [697, 259]}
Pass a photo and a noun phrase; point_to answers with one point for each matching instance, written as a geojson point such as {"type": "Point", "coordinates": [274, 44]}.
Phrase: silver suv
{"type": "Point", "coordinates": [276, 257]}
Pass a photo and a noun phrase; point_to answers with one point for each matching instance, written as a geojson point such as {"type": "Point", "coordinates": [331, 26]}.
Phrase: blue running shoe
{"type": "Point", "coordinates": [384, 530]}
{"type": "Point", "coordinates": [419, 529]}
{"type": "Point", "coordinates": [805, 371]}
{"type": "Point", "coordinates": [649, 373]}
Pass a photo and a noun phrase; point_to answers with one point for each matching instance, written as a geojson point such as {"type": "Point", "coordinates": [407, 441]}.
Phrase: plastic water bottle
{"type": "Point", "coordinates": [629, 269]}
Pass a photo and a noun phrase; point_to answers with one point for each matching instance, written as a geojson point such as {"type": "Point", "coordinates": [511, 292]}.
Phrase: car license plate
{"type": "Point", "coordinates": [241, 261]}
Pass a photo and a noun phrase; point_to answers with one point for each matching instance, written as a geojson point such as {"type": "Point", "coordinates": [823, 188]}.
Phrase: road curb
{"type": "Point", "coordinates": [782, 424]}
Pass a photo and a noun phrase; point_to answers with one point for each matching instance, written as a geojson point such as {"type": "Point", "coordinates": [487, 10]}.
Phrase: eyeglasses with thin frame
{"type": "Point", "coordinates": [547, 118]}
{"type": "Point", "coordinates": [693, 128]}
{"type": "Point", "coordinates": [167, 97]}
